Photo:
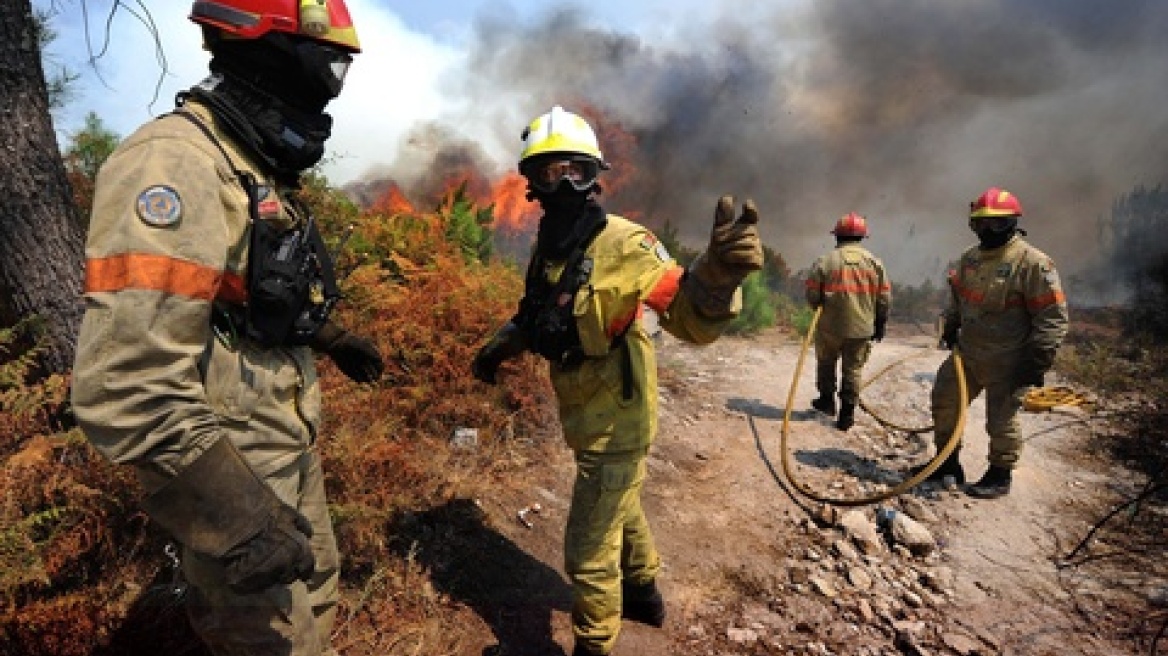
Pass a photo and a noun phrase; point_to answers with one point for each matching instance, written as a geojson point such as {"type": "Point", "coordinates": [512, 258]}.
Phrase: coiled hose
{"type": "Point", "coordinates": [903, 486]}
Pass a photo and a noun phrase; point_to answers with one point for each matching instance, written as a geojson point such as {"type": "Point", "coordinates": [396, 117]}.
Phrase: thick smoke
{"type": "Point", "coordinates": [902, 110]}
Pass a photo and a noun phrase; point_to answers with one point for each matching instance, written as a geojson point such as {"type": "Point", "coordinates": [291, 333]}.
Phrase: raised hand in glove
{"type": "Point", "coordinates": [734, 252]}
{"type": "Point", "coordinates": [504, 345]}
{"type": "Point", "coordinates": [735, 249]}
{"type": "Point", "coordinates": [356, 357]}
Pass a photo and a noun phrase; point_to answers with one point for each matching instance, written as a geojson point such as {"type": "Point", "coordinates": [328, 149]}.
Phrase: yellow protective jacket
{"type": "Point", "coordinates": [154, 384]}
{"type": "Point", "coordinates": [1009, 305]}
{"type": "Point", "coordinates": [631, 270]}
{"type": "Point", "coordinates": [853, 288]}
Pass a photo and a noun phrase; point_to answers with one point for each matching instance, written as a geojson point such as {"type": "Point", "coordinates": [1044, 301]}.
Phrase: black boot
{"type": "Point", "coordinates": [847, 416]}
{"type": "Point", "coordinates": [642, 603]}
{"type": "Point", "coordinates": [951, 467]}
{"type": "Point", "coordinates": [993, 484]}
{"type": "Point", "coordinates": [825, 404]}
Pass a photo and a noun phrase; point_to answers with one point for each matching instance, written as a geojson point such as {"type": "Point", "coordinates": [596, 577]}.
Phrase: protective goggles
{"type": "Point", "coordinates": [545, 175]}
{"type": "Point", "coordinates": [993, 223]}
{"type": "Point", "coordinates": [328, 64]}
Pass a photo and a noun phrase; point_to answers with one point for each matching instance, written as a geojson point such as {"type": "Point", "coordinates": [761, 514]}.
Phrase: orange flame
{"type": "Point", "coordinates": [393, 202]}
{"type": "Point", "coordinates": [513, 212]}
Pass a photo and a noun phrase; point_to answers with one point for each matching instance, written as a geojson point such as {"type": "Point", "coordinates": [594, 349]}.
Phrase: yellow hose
{"type": "Point", "coordinates": [903, 486]}
{"type": "Point", "coordinates": [1042, 399]}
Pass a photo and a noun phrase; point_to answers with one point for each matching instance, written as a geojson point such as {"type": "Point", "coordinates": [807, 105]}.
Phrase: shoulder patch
{"type": "Point", "coordinates": [648, 242]}
{"type": "Point", "coordinates": [159, 206]}
{"type": "Point", "coordinates": [662, 253]}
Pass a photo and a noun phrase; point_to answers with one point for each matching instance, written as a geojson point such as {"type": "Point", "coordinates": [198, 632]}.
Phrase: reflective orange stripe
{"type": "Point", "coordinates": [1046, 300]}
{"type": "Point", "coordinates": [164, 274]}
{"type": "Point", "coordinates": [665, 290]}
{"type": "Point", "coordinates": [621, 324]}
{"type": "Point", "coordinates": [659, 299]}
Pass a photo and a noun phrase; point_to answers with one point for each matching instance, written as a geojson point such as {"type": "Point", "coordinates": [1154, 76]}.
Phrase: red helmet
{"type": "Point", "coordinates": [326, 21]}
{"type": "Point", "coordinates": [851, 224]}
{"type": "Point", "coordinates": [995, 202]}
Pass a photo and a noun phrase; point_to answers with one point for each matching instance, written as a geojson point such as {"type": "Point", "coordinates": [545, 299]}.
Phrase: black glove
{"type": "Point", "coordinates": [279, 554]}
{"type": "Point", "coordinates": [1029, 378]}
{"type": "Point", "coordinates": [1032, 368]}
{"type": "Point", "coordinates": [506, 344]}
{"type": "Point", "coordinates": [356, 357]}
{"type": "Point", "coordinates": [878, 333]}
{"type": "Point", "coordinates": [949, 336]}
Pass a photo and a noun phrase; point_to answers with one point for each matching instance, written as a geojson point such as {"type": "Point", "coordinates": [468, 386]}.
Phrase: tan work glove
{"type": "Point", "coordinates": [219, 508]}
{"type": "Point", "coordinates": [734, 252]}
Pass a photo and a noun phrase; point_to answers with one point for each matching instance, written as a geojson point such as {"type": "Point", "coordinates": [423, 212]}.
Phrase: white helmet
{"type": "Point", "coordinates": [560, 132]}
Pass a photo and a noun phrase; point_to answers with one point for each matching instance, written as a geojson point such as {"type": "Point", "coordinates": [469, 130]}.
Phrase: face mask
{"type": "Point", "coordinates": [993, 231]}
{"type": "Point", "coordinates": [568, 216]}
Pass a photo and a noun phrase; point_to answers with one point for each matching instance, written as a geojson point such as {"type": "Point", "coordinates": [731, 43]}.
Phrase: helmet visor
{"type": "Point", "coordinates": [546, 174]}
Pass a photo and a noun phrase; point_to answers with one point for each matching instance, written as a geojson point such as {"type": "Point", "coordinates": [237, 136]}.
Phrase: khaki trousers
{"type": "Point", "coordinates": [1002, 404]}
{"type": "Point", "coordinates": [851, 353]}
{"type": "Point", "coordinates": [291, 620]}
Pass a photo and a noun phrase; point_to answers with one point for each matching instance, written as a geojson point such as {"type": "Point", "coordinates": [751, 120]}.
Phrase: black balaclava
{"type": "Point", "coordinates": [990, 238]}
{"type": "Point", "coordinates": [262, 91]}
{"type": "Point", "coordinates": [569, 218]}
{"type": "Point", "coordinates": [840, 241]}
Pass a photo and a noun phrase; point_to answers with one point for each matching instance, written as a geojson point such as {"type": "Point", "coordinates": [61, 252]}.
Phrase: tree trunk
{"type": "Point", "coordinates": [41, 242]}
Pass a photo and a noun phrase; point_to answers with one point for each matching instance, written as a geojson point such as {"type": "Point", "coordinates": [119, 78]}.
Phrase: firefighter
{"type": "Point", "coordinates": [1007, 316]}
{"type": "Point", "coordinates": [207, 291]}
{"type": "Point", "coordinates": [850, 284]}
{"type": "Point", "coordinates": [591, 278]}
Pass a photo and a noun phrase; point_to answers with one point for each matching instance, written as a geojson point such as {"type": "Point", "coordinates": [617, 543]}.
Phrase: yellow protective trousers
{"type": "Point", "coordinates": [607, 540]}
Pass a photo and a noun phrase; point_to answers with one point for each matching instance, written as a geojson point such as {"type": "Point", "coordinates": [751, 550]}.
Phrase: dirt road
{"type": "Point", "coordinates": [752, 568]}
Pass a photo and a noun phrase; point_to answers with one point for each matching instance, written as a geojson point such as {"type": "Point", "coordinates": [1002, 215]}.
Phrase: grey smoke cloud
{"type": "Point", "coordinates": [903, 110]}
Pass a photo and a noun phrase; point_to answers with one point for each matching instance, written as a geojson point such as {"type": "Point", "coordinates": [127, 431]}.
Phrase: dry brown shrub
{"type": "Point", "coordinates": [81, 567]}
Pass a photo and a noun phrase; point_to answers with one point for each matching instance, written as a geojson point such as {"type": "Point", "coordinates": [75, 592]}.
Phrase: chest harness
{"type": "Point", "coordinates": [291, 282]}
{"type": "Point", "coordinates": [547, 317]}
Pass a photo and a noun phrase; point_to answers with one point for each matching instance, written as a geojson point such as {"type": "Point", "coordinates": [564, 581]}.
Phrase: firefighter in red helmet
{"type": "Point", "coordinates": [851, 286]}
{"type": "Point", "coordinates": [208, 290]}
{"type": "Point", "coordinates": [1007, 315]}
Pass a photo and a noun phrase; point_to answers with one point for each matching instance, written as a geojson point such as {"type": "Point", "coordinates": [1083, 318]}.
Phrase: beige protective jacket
{"type": "Point", "coordinates": [154, 383]}
{"type": "Point", "coordinates": [631, 270]}
{"type": "Point", "coordinates": [1009, 304]}
{"type": "Point", "coordinates": [853, 288]}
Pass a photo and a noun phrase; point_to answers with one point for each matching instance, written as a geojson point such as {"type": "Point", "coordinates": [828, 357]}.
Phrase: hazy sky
{"type": "Point", "coordinates": [903, 110]}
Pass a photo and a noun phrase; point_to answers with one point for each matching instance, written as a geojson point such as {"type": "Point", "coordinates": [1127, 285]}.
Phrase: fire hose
{"type": "Point", "coordinates": [903, 486]}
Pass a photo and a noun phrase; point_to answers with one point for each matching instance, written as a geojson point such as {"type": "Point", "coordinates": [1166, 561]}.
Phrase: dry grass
{"type": "Point", "coordinates": [81, 567]}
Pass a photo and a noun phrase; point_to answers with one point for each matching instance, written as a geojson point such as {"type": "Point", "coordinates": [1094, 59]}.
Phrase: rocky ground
{"type": "Point", "coordinates": [753, 567]}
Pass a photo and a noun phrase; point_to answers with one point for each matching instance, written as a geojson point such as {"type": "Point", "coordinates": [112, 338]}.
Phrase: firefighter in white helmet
{"type": "Point", "coordinates": [591, 277]}
{"type": "Point", "coordinates": [851, 286]}
{"type": "Point", "coordinates": [1007, 316]}
{"type": "Point", "coordinates": [208, 289]}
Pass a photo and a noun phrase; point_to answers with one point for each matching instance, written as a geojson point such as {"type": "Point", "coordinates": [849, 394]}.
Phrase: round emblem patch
{"type": "Point", "coordinates": [159, 206]}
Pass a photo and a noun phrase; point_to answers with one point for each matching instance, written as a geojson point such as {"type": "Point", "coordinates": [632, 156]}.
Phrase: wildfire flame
{"type": "Point", "coordinates": [393, 202]}
{"type": "Point", "coordinates": [513, 212]}
{"type": "Point", "coordinates": [455, 170]}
